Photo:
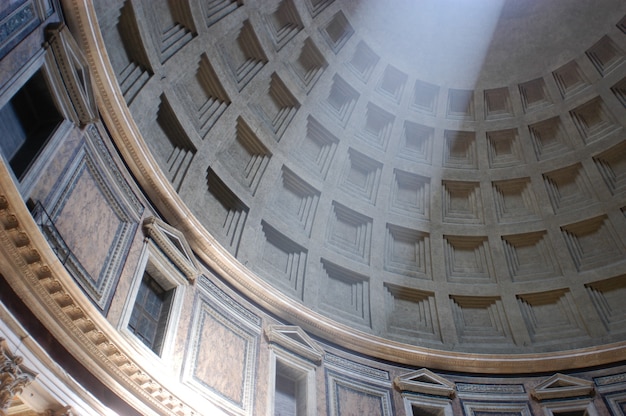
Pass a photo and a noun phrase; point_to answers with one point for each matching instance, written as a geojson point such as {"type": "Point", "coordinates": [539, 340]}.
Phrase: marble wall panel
{"type": "Point", "coordinates": [350, 397]}
{"type": "Point", "coordinates": [222, 351]}
{"type": "Point", "coordinates": [92, 247]}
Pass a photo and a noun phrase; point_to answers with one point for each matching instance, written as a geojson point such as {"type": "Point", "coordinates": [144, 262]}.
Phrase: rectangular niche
{"type": "Point", "coordinates": [278, 107]}
{"type": "Point", "coordinates": [392, 83]}
{"type": "Point", "coordinates": [580, 407]}
{"type": "Point", "coordinates": [337, 31]}
{"type": "Point", "coordinates": [534, 95]}
{"type": "Point", "coordinates": [127, 53]}
{"type": "Point", "coordinates": [568, 188]}
{"type": "Point", "coordinates": [284, 23]}
{"type": "Point", "coordinates": [549, 138]}
{"type": "Point", "coordinates": [205, 95]}
{"type": "Point", "coordinates": [612, 166]}
{"type": "Point", "coordinates": [215, 10]}
{"type": "Point", "coordinates": [341, 100]}
{"type": "Point", "coordinates": [593, 243]}
{"type": "Point", "coordinates": [377, 126]}
{"type": "Point", "coordinates": [468, 259]}
{"type": "Point", "coordinates": [172, 144]}
{"type": "Point", "coordinates": [316, 6]}
{"type": "Point", "coordinates": [317, 148]}
{"type": "Point", "coordinates": [616, 402]}
{"type": "Point", "coordinates": [460, 104]}
{"type": "Point", "coordinates": [361, 176]}
{"type": "Point", "coordinates": [593, 120]}
{"type": "Point", "coordinates": [297, 200]}
{"type": "Point", "coordinates": [363, 61]}
{"type": "Point", "coordinates": [292, 384]}
{"type": "Point", "coordinates": [462, 202]}
{"type": "Point", "coordinates": [504, 149]}
{"type": "Point", "coordinates": [411, 313]}
{"type": "Point", "coordinates": [608, 297]}
{"type": "Point", "coordinates": [460, 150]}
{"type": "Point", "coordinates": [421, 405]}
{"type": "Point", "coordinates": [410, 194]}
{"type": "Point", "coordinates": [498, 104]}
{"type": "Point", "coordinates": [489, 408]}
{"type": "Point", "coordinates": [244, 54]}
{"type": "Point", "coordinates": [309, 65]}
{"type": "Point", "coordinates": [570, 79]}
{"type": "Point", "coordinates": [552, 316]}
{"type": "Point", "coordinates": [407, 252]}
{"type": "Point", "coordinates": [425, 97]}
{"type": "Point", "coordinates": [480, 319]}
{"type": "Point", "coordinates": [605, 55]}
{"type": "Point", "coordinates": [174, 26]}
{"type": "Point", "coordinates": [345, 294]}
{"type": "Point", "coordinates": [246, 158]}
{"type": "Point", "coordinates": [621, 25]}
{"type": "Point", "coordinates": [417, 143]}
{"type": "Point", "coordinates": [284, 260]}
{"type": "Point", "coordinates": [28, 122]}
{"type": "Point", "coordinates": [619, 90]}
{"type": "Point", "coordinates": [225, 213]}
{"type": "Point", "coordinates": [515, 200]}
{"type": "Point", "coordinates": [350, 232]}
{"type": "Point", "coordinates": [530, 256]}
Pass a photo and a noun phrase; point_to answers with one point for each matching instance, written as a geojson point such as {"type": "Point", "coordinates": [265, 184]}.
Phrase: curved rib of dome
{"type": "Point", "coordinates": [199, 196]}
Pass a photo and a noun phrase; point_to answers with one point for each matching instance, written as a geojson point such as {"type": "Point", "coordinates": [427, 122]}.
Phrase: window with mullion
{"type": "Point", "coordinates": [149, 316]}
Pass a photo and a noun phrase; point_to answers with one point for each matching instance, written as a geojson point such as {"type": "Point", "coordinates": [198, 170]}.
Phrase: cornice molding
{"type": "Point", "coordinates": [82, 20]}
{"type": "Point", "coordinates": [426, 382]}
{"type": "Point", "coordinates": [561, 386]}
{"type": "Point", "coordinates": [294, 339]}
{"type": "Point", "coordinates": [180, 254]}
{"type": "Point", "coordinates": [33, 270]}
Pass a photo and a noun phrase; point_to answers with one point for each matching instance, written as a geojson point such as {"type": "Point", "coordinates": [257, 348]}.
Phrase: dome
{"type": "Point", "coordinates": [433, 173]}
{"type": "Point", "coordinates": [313, 207]}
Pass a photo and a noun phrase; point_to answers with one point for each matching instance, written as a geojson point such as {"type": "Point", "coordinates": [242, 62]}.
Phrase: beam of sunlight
{"type": "Point", "coordinates": [437, 39]}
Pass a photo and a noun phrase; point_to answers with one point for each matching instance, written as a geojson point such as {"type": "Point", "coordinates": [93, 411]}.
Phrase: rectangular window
{"type": "Point", "coordinates": [27, 121]}
{"type": "Point", "coordinates": [290, 391]}
{"type": "Point", "coordinates": [422, 405]}
{"type": "Point", "coordinates": [148, 320]}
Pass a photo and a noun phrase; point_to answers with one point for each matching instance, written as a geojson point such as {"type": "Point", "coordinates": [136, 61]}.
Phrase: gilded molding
{"type": "Point", "coordinates": [82, 19]}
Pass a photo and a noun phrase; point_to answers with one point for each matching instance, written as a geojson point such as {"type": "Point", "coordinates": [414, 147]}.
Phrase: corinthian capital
{"type": "Point", "coordinates": [13, 376]}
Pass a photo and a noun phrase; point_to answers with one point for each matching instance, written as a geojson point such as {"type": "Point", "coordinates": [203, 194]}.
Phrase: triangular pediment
{"type": "Point", "coordinates": [561, 386]}
{"type": "Point", "coordinates": [173, 244]}
{"type": "Point", "coordinates": [294, 339]}
{"type": "Point", "coordinates": [74, 70]}
{"type": "Point", "coordinates": [426, 382]}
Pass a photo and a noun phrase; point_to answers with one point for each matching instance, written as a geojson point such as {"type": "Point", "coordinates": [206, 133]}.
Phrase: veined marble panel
{"type": "Point", "coordinates": [96, 244]}
{"type": "Point", "coordinates": [347, 396]}
{"type": "Point", "coordinates": [222, 350]}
